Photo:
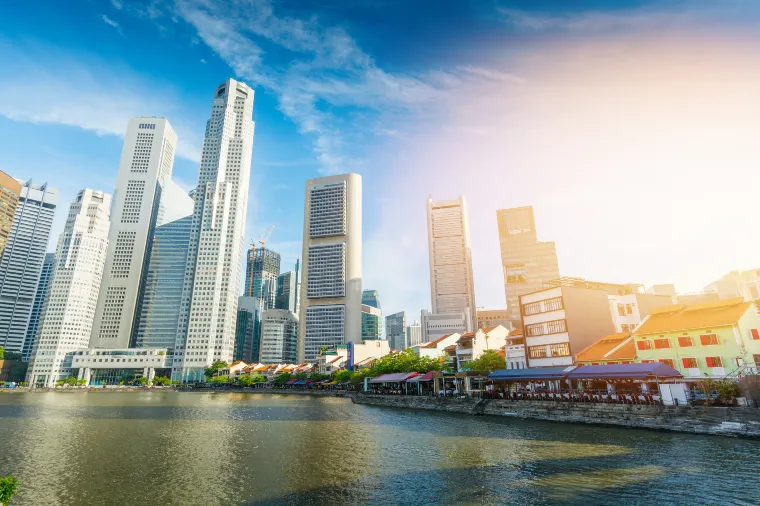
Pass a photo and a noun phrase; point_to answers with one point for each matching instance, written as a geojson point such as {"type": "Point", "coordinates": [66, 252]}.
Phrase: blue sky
{"type": "Point", "coordinates": [628, 125]}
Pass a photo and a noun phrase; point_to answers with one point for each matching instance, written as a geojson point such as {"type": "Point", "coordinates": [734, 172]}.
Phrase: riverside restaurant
{"type": "Point", "coordinates": [647, 383]}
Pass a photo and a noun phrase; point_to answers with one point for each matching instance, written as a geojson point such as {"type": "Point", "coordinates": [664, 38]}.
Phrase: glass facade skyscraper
{"type": "Point", "coordinates": [48, 267]}
{"type": "Point", "coordinates": [159, 313]}
{"type": "Point", "coordinates": [21, 262]}
{"type": "Point", "coordinates": [372, 316]}
{"type": "Point", "coordinates": [261, 271]}
{"type": "Point", "coordinates": [395, 331]}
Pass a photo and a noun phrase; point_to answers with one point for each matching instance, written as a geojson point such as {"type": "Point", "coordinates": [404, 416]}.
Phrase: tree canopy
{"type": "Point", "coordinates": [489, 361]}
{"type": "Point", "coordinates": [342, 376]}
{"type": "Point", "coordinates": [405, 361]}
{"type": "Point", "coordinates": [216, 366]}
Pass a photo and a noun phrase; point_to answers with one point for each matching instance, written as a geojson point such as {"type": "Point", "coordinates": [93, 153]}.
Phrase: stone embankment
{"type": "Point", "coordinates": [734, 421]}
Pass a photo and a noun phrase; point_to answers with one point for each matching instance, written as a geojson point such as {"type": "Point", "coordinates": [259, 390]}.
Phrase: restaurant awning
{"type": "Point", "coordinates": [535, 373]}
{"type": "Point", "coordinates": [291, 382]}
{"type": "Point", "coordinates": [428, 376]}
{"type": "Point", "coordinates": [300, 382]}
{"type": "Point", "coordinates": [625, 371]}
{"type": "Point", "coordinates": [393, 378]}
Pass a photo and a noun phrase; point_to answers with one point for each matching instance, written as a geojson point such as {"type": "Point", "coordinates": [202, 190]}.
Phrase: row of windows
{"type": "Point", "coordinates": [690, 363]}
{"type": "Point", "coordinates": [540, 329]}
{"type": "Point", "coordinates": [683, 342]}
{"type": "Point", "coordinates": [549, 350]}
{"type": "Point", "coordinates": [543, 306]}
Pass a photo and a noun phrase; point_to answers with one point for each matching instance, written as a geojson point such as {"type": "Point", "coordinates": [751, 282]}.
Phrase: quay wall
{"type": "Point", "coordinates": [732, 421]}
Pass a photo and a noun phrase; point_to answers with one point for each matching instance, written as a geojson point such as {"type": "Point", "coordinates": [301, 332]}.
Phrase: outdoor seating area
{"type": "Point", "coordinates": [615, 384]}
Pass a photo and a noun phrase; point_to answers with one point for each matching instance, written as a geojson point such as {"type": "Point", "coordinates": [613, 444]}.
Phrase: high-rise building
{"type": "Point", "coordinates": [279, 337]}
{"type": "Point", "coordinates": [247, 339]}
{"type": "Point", "coordinates": [372, 316]}
{"type": "Point", "coordinates": [331, 293]}
{"type": "Point", "coordinates": [526, 262]}
{"type": "Point", "coordinates": [287, 291]}
{"type": "Point", "coordinates": [436, 325]}
{"type": "Point", "coordinates": [46, 275]}
{"type": "Point", "coordinates": [261, 270]}
{"type": "Point", "coordinates": [452, 289]}
{"type": "Point", "coordinates": [395, 331]}
{"type": "Point", "coordinates": [161, 296]}
{"type": "Point", "coordinates": [70, 309]}
{"type": "Point", "coordinates": [212, 279]}
{"type": "Point", "coordinates": [21, 262]}
{"type": "Point", "coordinates": [492, 317]}
{"type": "Point", "coordinates": [145, 167]}
{"type": "Point", "coordinates": [414, 334]}
{"type": "Point", "coordinates": [10, 191]}
{"type": "Point", "coordinates": [372, 323]}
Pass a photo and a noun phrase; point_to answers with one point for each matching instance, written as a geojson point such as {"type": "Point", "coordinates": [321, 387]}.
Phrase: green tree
{"type": "Point", "coordinates": [8, 488]}
{"type": "Point", "coordinates": [323, 349]}
{"type": "Point", "coordinates": [245, 380]}
{"type": "Point", "coordinates": [214, 368]}
{"type": "Point", "coordinates": [283, 378]}
{"type": "Point", "coordinates": [315, 376]}
{"type": "Point", "coordinates": [342, 376]}
{"type": "Point", "coordinates": [71, 381]}
{"type": "Point", "coordinates": [489, 362]}
{"type": "Point", "coordinates": [258, 378]}
{"type": "Point", "coordinates": [2, 353]}
{"type": "Point", "coordinates": [162, 380]}
{"type": "Point", "coordinates": [728, 390]}
{"type": "Point", "coordinates": [142, 381]}
{"type": "Point", "coordinates": [82, 382]}
{"type": "Point", "coordinates": [220, 380]}
{"type": "Point", "coordinates": [59, 383]}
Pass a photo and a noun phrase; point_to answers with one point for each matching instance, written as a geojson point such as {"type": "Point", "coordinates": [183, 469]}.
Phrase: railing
{"type": "Point", "coordinates": [744, 370]}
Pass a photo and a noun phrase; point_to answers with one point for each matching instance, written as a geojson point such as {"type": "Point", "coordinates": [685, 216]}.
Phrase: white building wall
{"type": "Point", "coordinates": [147, 159]}
{"type": "Point", "coordinates": [279, 337]}
{"type": "Point", "coordinates": [451, 279]}
{"type": "Point", "coordinates": [70, 307]}
{"type": "Point", "coordinates": [331, 290]}
{"type": "Point", "coordinates": [434, 325]}
{"type": "Point", "coordinates": [544, 334]}
{"type": "Point", "coordinates": [212, 280]}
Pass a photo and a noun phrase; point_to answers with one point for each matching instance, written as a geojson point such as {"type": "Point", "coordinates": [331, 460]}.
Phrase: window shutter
{"type": "Point", "coordinates": [709, 361]}
{"type": "Point", "coordinates": [685, 362]}
{"type": "Point", "coordinates": [755, 334]}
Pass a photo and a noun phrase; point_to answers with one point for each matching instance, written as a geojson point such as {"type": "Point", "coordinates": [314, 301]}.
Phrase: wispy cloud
{"type": "Point", "coordinates": [112, 23]}
{"type": "Point", "coordinates": [59, 90]}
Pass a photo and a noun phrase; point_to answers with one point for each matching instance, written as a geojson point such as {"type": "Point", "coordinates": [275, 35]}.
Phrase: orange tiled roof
{"type": "Point", "coordinates": [515, 332]}
{"type": "Point", "coordinates": [489, 329]}
{"type": "Point", "coordinates": [612, 347]}
{"type": "Point", "coordinates": [696, 316]}
{"type": "Point", "coordinates": [450, 348]}
{"type": "Point", "coordinates": [433, 344]}
{"type": "Point", "coordinates": [470, 334]}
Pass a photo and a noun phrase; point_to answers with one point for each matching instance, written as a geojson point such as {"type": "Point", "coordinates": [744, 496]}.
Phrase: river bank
{"type": "Point", "coordinates": [734, 421]}
{"type": "Point", "coordinates": [122, 390]}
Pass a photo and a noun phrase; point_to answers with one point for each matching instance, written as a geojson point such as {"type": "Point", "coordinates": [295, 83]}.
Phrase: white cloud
{"type": "Point", "coordinates": [112, 23]}
{"type": "Point", "coordinates": [203, 60]}
{"type": "Point", "coordinates": [88, 95]}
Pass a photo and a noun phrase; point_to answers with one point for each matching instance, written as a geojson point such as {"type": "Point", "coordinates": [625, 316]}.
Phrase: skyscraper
{"type": "Point", "coordinates": [279, 337]}
{"type": "Point", "coordinates": [372, 316]}
{"type": "Point", "coordinates": [527, 263]}
{"type": "Point", "coordinates": [248, 330]}
{"type": "Point", "coordinates": [261, 270]}
{"type": "Point", "coordinates": [158, 316]}
{"type": "Point", "coordinates": [46, 276]}
{"type": "Point", "coordinates": [21, 263]}
{"type": "Point", "coordinates": [287, 291]}
{"type": "Point", "coordinates": [395, 331]}
{"type": "Point", "coordinates": [70, 308]}
{"type": "Point", "coordinates": [451, 283]}
{"type": "Point", "coordinates": [414, 334]}
{"type": "Point", "coordinates": [212, 280]}
{"type": "Point", "coordinates": [10, 191]}
{"type": "Point", "coordinates": [331, 293]}
{"type": "Point", "coordinates": [147, 159]}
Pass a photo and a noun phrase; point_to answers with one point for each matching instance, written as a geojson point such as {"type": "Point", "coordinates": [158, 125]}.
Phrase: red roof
{"type": "Point", "coordinates": [433, 344]}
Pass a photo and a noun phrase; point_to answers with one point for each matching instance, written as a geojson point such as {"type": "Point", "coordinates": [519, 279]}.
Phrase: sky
{"type": "Point", "coordinates": [629, 126]}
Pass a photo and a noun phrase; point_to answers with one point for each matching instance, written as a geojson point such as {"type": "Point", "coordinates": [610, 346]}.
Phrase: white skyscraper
{"type": "Point", "coordinates": [43, 287]}
{"type": "Point", "coordinates": [279, 337]}
{"type": "Point", "coordinates": [70, 306]}
{"type": "Point", "coordinates": [451, 285]}
{"type": "Point", "coordinates": [21, 261]}
{"type": "Point", "coordinates": [146, 165]}
{"type": "Point", "coordinates": [331, 291]}
{"type": "Point", "coordinates": [212, 280]}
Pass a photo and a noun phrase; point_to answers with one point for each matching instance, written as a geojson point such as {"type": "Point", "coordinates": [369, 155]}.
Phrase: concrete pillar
{"type": "Point", "coordinates": [87, 375]}
{"type": "Point", "coordinates": [151, 374]}
{"type": "Point", "coordinates": [80, 373]}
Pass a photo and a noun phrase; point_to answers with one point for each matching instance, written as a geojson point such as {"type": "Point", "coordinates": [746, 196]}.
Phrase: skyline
{"type": "Point", "coordinates": [543, 80]}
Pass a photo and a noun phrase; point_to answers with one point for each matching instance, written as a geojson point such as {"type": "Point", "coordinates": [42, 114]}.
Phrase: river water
{"type": "Point", "coordinates": [170, 448]}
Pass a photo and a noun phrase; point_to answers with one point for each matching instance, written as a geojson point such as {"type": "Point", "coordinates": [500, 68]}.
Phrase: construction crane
{"type": "Point", "coordinates": [263, 238]}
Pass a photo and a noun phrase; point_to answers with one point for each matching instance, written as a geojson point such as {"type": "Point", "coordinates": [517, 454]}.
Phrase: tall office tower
{"type": "Point", "coordinates": [212, 280]}
{"type": "Point", "coordinates": [70, 308]}
{"type": "Point", "coordinates": [372, 316]}
{"type": "Point", "coordinates": [279, 337]}
{"type": "Point", "coordinates": [451, 284]}
{"type": "Point", "coordinates": [395, 331]}
{"type": "Point", "coordinates": [147, 159]}
{"type": "Point", "coordinates": [287, 291]}
{"type": "Point", "coordinates": [247, 339]}
{"type": "Point", "coordinates": [161, 295]}
{"type": "Point", "coordinates": [21, 263]}
{"type": "Point", "coordinates": [331, 293]}
{"type": "Point", "coordinates": [10, 191]}
{"type": "Point", "coordinates": [414, 334]}
{"type": "Point", "coordinates": [527, 263]}
{"type": "Point", "coordinates": [262, 267]}
{"type": "Point", "coordinates": [40, 296]}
